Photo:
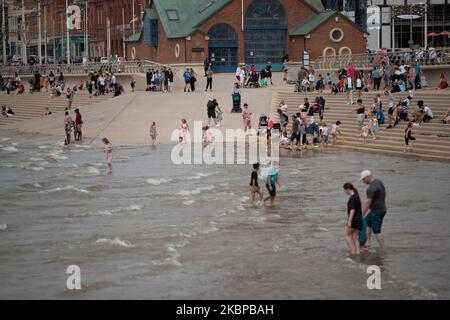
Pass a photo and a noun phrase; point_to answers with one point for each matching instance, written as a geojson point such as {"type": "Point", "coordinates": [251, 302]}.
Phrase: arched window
{"type": "Point", "coordinates": [222, 35]}
{"type": "Point", "coordinates": [222, 48]}
{"type": "Point", "coordinates": [266, 27]}
{"type": "Point", "coordinates": [329, 52]}
{"type": "Point", "coordinates": [345, 51]}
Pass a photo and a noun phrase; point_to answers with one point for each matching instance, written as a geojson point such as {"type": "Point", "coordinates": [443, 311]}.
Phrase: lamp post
{"type": "Point", "coordinates": [4, 32]}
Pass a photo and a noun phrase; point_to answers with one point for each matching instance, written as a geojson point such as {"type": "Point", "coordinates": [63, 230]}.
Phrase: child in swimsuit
{"type": "Point", "coordinates": [153, 133]}
{"type": "Point", "coordinates": [184, 129]}
{"type": "Point", "coordinates": [246, 116]}
{"type": "Point", "coordinates": [108, 152]}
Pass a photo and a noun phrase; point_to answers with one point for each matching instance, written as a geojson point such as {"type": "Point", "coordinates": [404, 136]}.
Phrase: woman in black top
{"type": "Point", "coordinates": [254, 185]}
{"type": "Point", "coordinates": [354, 219]}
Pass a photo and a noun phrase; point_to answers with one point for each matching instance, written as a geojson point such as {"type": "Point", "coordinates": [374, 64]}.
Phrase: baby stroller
{"type": "Point", "coordinates": [263, 126]}
{"type": "Point", "coordinates": [236, 103]}
{"type": "Point", "coordinates": [253, 81]}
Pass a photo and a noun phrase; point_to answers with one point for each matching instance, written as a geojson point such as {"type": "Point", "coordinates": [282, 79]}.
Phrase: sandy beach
{"type": "Point", "coordinates": [127, 119]}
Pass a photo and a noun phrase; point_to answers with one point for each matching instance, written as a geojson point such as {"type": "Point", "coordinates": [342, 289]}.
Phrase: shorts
{"type": "Point", "coordinates": [272, 193]}
{"type": "Point", "coordinates": [410, 138]}
{"type": "Point", "coordinates": [375, 220]}
{"type": "Point", "coordinates": [211, 113]}
{"type": "Point", "coordinates": [295, 137]}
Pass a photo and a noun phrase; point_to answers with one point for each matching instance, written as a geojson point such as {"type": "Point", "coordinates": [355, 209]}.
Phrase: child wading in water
{"type": "Point", "coordinates": [153, 133]}
{"type": "Point", "coordinates": [108, 152]}
{"type": "Point", "coordinates": [254, 185]}
{"type": "Point", "coordinates": [354, 219]}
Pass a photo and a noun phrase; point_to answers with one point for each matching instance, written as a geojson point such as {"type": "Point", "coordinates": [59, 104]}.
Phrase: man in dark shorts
{"type": "Point", "coordinates": [376, 202]}
{"type": "Point", "coordinates": [271, 182]}
{"type": "Point", "coordinates": [211, 107]}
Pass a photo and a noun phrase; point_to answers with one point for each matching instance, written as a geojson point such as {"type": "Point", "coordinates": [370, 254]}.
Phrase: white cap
{"type": "Point", "coordinates": [365, 174]}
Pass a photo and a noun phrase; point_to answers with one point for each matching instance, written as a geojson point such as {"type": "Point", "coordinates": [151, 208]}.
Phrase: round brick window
{"type": "Point", "coordinates": [337, 34]}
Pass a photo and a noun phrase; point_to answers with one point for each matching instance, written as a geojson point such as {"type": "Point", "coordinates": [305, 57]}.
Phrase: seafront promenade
{"type": "Point", "coordinates": [126, 119]}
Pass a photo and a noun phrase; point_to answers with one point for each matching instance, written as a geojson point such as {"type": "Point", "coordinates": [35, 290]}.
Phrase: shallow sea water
{"type": "Point", "coordinates": [154, 230]}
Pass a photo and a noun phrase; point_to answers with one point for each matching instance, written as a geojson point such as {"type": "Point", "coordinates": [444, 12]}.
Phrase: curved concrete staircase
{"type": "Point", "coordinates": [433, 138]}
{"type": "Point", "coordinates": [29, 106]}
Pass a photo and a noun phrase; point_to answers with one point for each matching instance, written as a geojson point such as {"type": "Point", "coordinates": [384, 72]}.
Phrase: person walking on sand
{"type": "Point", "coordinates": [354, 218]}
{"type": "Point", "coordinates": [211, 108]}
{"type": "Point", "coordinates": [108, 152]}
{"type": "Point", "coordinates": [209, 79]}
{"type": "Point", "coordinates": [153, 133]}
{"type": "Point", "coordinates": [376, 202]}
{"type": "Point", "coordinates": [254, 185]}
{"type": "Point", "coordinates": [246, 116]}
{"type": "Point", "coordinates": [184, 130]}
{"type": "Point", "coordinates": [271, 182]}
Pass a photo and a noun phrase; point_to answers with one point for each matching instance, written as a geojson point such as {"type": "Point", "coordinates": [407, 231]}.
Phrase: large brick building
{"type": "Point", "coordinates": [229, 32]}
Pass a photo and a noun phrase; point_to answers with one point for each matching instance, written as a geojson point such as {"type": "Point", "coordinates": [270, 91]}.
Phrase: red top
{"type": "Point", "coordinates": [78, 119]}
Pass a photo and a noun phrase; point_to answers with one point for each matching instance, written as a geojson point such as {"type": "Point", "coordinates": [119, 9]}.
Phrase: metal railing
{"type": "Point", "coordinates": [369, 60]}
{"type": "Point", "coordinates": [132, 67]}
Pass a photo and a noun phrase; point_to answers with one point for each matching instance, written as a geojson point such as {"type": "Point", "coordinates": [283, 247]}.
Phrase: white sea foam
{"type": "Point", "coordinates": [4, 139]}
{"type": "Point", "coordinates": [67, 188]}
{"type": "Point", "coordinates": [172, 260]}
{"type": "Point", "coordinates": [36, 159]}
{"type": "Point", "coordinates": [187, 235]}
{"type": "Point", "coordinates": [157, 182]}
{"type": "Point", "coordinates": [3, 227]}
{"type": "Point", "coordinates": [93, 171]}
{"type": "Point", "coordinates": [195, 191]}
{"type": "Point", "coordinates": [56, 155]}
{"type": "Point", "coordinates": [83, 146]}
{"type": "Point", "coordinates": [110, 212]}
{"type": "Point", "coordinates": [10, 149]}
{"type": "Point", "coordinates": [116, 242]}
{"type": "Point", "coordinates": [36, 168]}
{"type": "Point", "coordinates": [15, 144]}
{"type": "Point", "coordinates": [189, 192]}
{"type": "Point", "coordinates": [188, 202]}
{"type": "Point", "coordinates": [209, 229]}
{"type": "Point", "coordinates": [322, 229]}
{"type": "Point", "coordinates": [43, 147]}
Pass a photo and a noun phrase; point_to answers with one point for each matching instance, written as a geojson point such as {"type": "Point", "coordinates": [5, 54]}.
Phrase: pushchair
{"type": "Point", "coordinates": [236, 103]}
{"type": "Point", "coordinates": [253, 81]}
{"type": "Point", "coordinates": [263, 125]}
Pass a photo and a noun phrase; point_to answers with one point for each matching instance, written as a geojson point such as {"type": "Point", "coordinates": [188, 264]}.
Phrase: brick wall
{"type": "Point", "coordinates": [297, 12]}
{"type": "Point", "coordinates": [320, 38]}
